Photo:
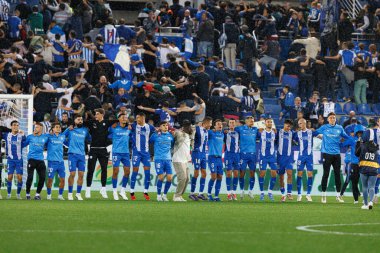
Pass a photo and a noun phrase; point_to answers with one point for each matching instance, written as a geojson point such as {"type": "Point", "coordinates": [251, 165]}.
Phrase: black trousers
{"type": "Point", "coordinates": [102, 155]}
{"type": "Point", "coordinates": [305, 86]}
{"type": "Point", "coordinates": [329, 160]}
{"type": "Point", "coordinates": [40, 167]}
{"type": "Point", "coordinates": [353, 176]}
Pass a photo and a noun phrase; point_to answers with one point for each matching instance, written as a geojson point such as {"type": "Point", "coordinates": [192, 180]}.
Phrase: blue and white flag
{"type": "Point", "coordinates": [119, 55]}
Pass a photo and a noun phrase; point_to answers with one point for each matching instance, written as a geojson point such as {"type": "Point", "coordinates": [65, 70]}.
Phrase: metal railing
{"type": "Point", "coordinates": [353, 7]}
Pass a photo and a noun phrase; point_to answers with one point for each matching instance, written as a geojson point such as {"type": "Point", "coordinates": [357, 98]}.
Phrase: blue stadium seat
{"type": "Point", "coordinates": [364, 109]}
{"type": "Point", "coordinates": [376, 109]}
{"type": "Point", "coordinates": [349, 107]}
{"type": "Point", "coordinates": [362, 120]}
{"type": "Point", "coordinates": [303, 104]}
{"type": "Point", "coordinates": [272, 109]}
{"type": "Point", "coordinates": [338, 109]}
{"type": "Point", "coordinates": [343, 119]}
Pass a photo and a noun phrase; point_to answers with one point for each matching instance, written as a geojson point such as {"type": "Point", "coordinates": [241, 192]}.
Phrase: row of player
{"type": "Point", "coordinates": [239, 142]}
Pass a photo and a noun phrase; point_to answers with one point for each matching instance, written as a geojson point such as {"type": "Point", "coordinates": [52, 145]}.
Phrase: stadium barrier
{"type": "Point", "coordinates": [96, 185]}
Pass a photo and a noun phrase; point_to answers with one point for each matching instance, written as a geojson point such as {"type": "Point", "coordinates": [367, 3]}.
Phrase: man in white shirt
{"type": "Point", "coordinates": [312, 46]}
{"type": "Point", "coordinates": [68, 91]}
{"type": "Point", "coordinates": [238, 88]}
{"type": "Point", "coordinates": [181, 158]}
{"type": "Point", "coordinates": [165, 49]}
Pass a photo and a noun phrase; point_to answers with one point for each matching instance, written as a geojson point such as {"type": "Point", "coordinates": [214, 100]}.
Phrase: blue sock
{"type": "Point", "coordinates": [261, 183]}
{"type": "Point", "coordinates": [70, 189]}
{"type": "Point", "coordinates": [235, 183]}
{"type": "Point", "coordinates": [299, 184]}
{"type": "Point", "coordinates": [167, 187]}
{"type": "Point", "coordinates": [114, 183]}
{"type": "Point", "coordinates": [377, 185]}
{"type": "Point", "coordinates": [159, 187]}
{"type": "Point", "coordinates": [79, 188]}
{"type": "Point", "coordinates": [146, 179]}
{"type": "Point", "coordinates": [60, 191]}
{"type": "Point", "coordinates": [272, 183]}
{"type": "Point", "coordinates": [19, 186]}
{"type": "Point", "coordinates": [124, 182]}
{"type": "Point", "coordinates": [228, 183]}
{"type": "Point", "coordinates": [48, 190]}
{"type": "Point", "coordinates": [217, 187]}
{"type": "Point", "coordinates": [309, 184]}
{"type": "Point", "coordinates": [241, 183]}
{"type": "Point", "coordinates": [9, 187]}
{"type": "Point", "coordinates": [133, 179]}
{"type": "Point", "coordinates": [202, 186]}
{"type": "Point", "coordinates": [282, 190]}
{"type": "Point", "coordinates": [251, 183]}
{"type": "Point", "coordinates": [290, 187]}
{"type": "Point", "coordinates": [210, 186]}
{"type": "Point", "coordinates": [193, 184]}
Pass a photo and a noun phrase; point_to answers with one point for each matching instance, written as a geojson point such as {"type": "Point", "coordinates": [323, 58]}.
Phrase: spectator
{"type": "Point", "coordinates": [271, 53]}
{"type": "Point", "coordinates": [205, 36]}
{"type": "Point", "coordinates": [92, 102]}
{"type": "Point", "coordinates": [149, 56]}
{"type": "Point", "coordinates": [351, 115]}
{"type": "Point", "coordinates": [202, 83]}
{"type": "Point", "coordinates": [14, 25]}
{"type": "Point", "coordinates": [314, 16]}
{"type": "Point", "coordinates": [232, 33]}
{"type": "Point", "coordinates": [247, 49]}
{"type": "Point", "coordinates": [24, 9]}
{"type": "Point", "coordinates": [61, 16]}
{"type": "Point", "coordinates": [238, 88]}
{"type": "Point", "coordinates": [287, 97]}
{"type": "Point", "coordinates": [150, 24]}
{"type": "Point", "coordinates": [125, 32]}
{"type": "Point", "coordinates": [361, 82]}
{"type": "Point", "coordinates": [291, 112]}
{"type": "Point", "coordinates": [35, 20]}
{"type": "Point", "coordinates": [175, 8]}
{"type": "Point", "coordinates": [187, 24]}
{"type": "Point", "coordinates": [100, 11]}
{"type": "Point", "coordinates": [312, 45]}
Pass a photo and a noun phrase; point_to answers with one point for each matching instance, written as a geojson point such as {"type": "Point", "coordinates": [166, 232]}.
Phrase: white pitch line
{"type": "Point", "coordinates": [309, 228]}
{"type": "Point", "coordinates": [116, 231]}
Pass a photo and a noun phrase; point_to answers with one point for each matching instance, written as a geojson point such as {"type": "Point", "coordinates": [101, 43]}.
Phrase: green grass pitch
{"type": "Point", "coordinates": [99, 225]}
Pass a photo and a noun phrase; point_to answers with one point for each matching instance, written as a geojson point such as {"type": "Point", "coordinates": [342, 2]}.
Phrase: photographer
{"type": "Point", "coordinates": [367, 152]}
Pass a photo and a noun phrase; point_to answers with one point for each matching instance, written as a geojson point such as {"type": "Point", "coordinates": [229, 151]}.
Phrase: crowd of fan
{"type": "Point", "coordinates": [54, 51]}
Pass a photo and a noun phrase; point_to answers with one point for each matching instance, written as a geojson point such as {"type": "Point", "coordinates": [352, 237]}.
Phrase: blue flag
{"type": "Point", "coordinates": [119, 55]}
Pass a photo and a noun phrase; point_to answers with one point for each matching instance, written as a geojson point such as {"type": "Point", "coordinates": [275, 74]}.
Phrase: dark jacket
{"type": "Point", "coordinates": [232, 32]}
{"type": "Point", "coordinates": [367, 153]}
{"type": "Point", "coordinates": [42, 101]}
{"type": "Point", "coordinates": [247, 46]}
{"type": "Point", "coordinates": [100, 131]}
{"type": "Point", "coordinates": [92, 103]}
{"type": "Point", "coordinates": [345, 29]}
{"type": "Point", "coordinates": [206, 31]}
